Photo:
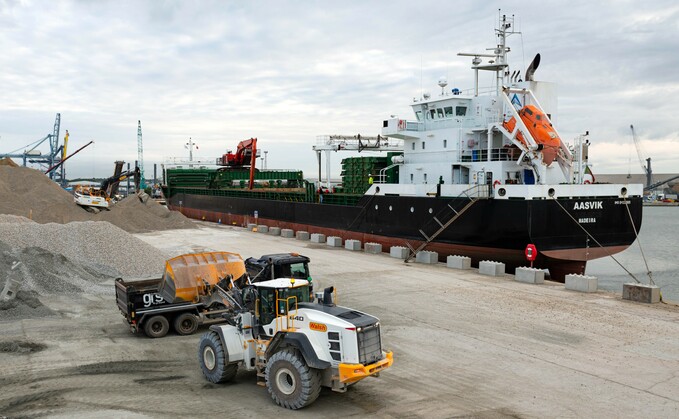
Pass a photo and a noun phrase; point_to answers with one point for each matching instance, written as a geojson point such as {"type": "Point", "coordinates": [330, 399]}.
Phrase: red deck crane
{"type": "Point", "coordinates": [245, 155]}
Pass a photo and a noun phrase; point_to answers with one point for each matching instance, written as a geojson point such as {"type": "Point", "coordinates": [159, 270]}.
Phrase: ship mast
{"type": "Point", "coordinates": [498, 62]}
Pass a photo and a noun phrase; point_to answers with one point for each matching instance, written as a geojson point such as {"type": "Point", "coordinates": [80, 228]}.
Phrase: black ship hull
{"type": "Point", "coordinates": [566, 232]}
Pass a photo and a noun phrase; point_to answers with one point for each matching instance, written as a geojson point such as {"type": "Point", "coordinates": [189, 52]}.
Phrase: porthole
{"type": "Point", "coordinates": [623, 191]}
{"type": "Point", "coordinates": [390, 208]}
{"type": "Point", "coordinates": [431, 210]}
{"type": "Point", "coordinates": [376, 206]}
{"type": "Point", "coordinates": [550, 192]}
{"type": "Point", "coordinates": [501, 192]}
{"type": "Point", "coordinates": [412, 209]}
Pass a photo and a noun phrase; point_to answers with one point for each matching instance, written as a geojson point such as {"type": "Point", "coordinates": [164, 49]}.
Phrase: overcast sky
{"type": "Point", "coordinates": [287, 71]}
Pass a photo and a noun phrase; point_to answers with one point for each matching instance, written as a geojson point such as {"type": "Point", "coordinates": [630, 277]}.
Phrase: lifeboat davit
{"type": "Point", "coordinates": [540, 128]}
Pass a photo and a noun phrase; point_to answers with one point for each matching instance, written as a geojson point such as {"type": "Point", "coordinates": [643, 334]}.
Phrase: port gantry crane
{"type": "Point", "coordinates": [56, 154]}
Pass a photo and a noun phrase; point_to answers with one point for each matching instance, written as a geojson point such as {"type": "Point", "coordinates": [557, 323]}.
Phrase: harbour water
{"type": "Point", "coordinates": [659, 238]}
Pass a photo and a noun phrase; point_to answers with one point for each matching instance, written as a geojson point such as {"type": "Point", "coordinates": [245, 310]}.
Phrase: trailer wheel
{"type": "Point", "coordinates": [291, 382]}
{"type": "Point", "coordinates": [185, 324]}
{"type": "Point", "coordinates": [156, 327]}
{"type": "Point", "coordinates": [212, 359]}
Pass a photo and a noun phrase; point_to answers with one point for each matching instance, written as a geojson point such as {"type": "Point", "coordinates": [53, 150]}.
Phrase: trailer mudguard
{"type": "Point", "coordinates": [300, 342]}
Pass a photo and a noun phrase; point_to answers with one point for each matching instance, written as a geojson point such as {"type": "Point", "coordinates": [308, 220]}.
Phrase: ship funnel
{"type": "Point", "coordinates": [532, 67]}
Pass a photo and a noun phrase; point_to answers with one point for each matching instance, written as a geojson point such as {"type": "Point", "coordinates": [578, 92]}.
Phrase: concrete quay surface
{"type": "Point", "coordinates": [465, 345]}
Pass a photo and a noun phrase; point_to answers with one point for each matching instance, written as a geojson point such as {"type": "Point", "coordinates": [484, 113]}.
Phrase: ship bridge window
{"type": "Point", "coordinates": [449, 111]}
{"type": "Point", "coordinates": [418, 115]}
{"type": "Point", "coordinates": [460, 110]}
{"type": "Point", "coordinates": [413, 144]}
{"type": "Point", "coordinates": [528, 111]}
{"type": "Point", "coordinates": [440, 112]}
{"type": "Point", "coordinates": [433, 113]}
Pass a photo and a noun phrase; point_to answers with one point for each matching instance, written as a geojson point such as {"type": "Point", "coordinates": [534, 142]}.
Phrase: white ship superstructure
{"type": "Point", "coordinates": [460, 138]}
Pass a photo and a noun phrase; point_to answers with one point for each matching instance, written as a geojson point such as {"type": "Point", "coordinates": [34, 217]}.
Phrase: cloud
{"type": "Point", "coordinates": [287, 71]}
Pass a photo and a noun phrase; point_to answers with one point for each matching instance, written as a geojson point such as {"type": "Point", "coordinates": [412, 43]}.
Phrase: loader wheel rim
{"type": "Point", "coordinates": [209, 358]}
{"type": "Point", "coordinates": [285, 381]}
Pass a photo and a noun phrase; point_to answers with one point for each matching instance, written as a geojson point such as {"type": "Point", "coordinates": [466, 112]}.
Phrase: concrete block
{"type": "Point", "coordinates": [641, 293]}
{"type": "Point", "coordinates": [458, 262]}
{"type": "Point", "coordinates": [262, 228]}
{"type": "Point", "coordinates": [275, 231]}
{"type": "Point", "coordinates": [252, 226]}
{"type": "Point", "coordinates": [334, 241]}
{"type": "Point", "coordinates": [399, 252]}
{"type": "Point", "coordinates": [302, 235]}
{"type": "Point", "coordinates": [488, 267]}
{"type": "Point", "coordinates": [375, 248]}
{"type": "Point", "coordinates": [317, 238]}
{"type": "Point", "coordinates": [425, 256]}
{"type": "Point", "coordinates": [288, 233]}
{"type": "Point", "coordinates": [582, 283]}
{"type": "Point", "coordinates": [530, 275]}
{"type": "Point", "coordinates": [352, 245]}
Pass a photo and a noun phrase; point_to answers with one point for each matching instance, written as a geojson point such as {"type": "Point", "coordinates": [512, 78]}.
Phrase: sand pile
{"type": "Point", "coordinates": [8, 162]}
{"type": "Point", "coordinates": [29, 193]}
{"type": "Point", "coordinates": [67, 259]}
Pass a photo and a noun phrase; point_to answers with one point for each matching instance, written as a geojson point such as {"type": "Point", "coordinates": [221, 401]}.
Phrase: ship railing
{"type": "Point", "coordinates": [476, 191]}
{"type": "Point", "coordinates": [414, 126]}
{"type": "Point", "coordinates": [496, 154]}
{"type": "Point", "coordinates": [454, 122]}
{"type": "Point", "coordinates": [489, 90]}
{"type": "Point", "coordinates": [185, 161]}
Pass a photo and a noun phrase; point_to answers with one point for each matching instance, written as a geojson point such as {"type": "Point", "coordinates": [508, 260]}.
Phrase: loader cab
{"type": "Point", "coordinates": [279, 265]}
{"type": "Point", "coordinates": [276, 299]}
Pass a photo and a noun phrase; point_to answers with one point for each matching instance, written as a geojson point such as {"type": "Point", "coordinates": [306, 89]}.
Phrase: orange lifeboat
{"type": "Point", "coordinates": [540, 128]}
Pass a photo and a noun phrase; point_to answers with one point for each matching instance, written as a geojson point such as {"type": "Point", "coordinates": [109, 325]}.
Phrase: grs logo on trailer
{"type": "Point", "coordinates": [589, 205]}
{"type": "Point", "coordinates": [152, 299]}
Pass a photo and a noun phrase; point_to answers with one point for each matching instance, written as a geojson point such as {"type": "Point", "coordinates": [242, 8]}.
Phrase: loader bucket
{"type": "Point", "coordinates": [188, 277]}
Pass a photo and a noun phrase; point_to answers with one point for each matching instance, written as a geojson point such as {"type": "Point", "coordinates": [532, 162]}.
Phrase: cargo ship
{"type": "Point", "coordinates": [481, 173]}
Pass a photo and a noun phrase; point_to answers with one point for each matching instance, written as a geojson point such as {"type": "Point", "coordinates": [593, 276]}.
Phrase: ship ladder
{"type": "Point", "coordinates": [442, 226]}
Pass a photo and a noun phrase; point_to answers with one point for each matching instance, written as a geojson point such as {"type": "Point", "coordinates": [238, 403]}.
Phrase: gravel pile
{"type": "Point", "coordinates": [100, 247]}
{"type": "Point", "coordinates": [29, 193]}
{"type": "Point", "coordinates": [67, 259]}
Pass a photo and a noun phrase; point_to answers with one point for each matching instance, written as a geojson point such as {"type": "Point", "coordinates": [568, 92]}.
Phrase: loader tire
{"type": "Point", "coordinates": [156, 327]}
{"type": "Point", "coordinates": [291, 382]}
{"type": "Point", "coordinates": [185, 324]}
{"type": "Point", "coordinates": [212, 358]}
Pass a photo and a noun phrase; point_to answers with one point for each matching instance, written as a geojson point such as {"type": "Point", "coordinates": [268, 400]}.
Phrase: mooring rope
{"type": "Point", "coordinates": [596, 241]}
{"type": "Point", "coordinates": [636, 235]}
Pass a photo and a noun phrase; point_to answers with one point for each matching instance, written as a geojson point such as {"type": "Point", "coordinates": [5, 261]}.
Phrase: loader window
{"type": "Point", "coordinates": [267, 303]}
{"type": "Point", "coordinates": [299, 270]}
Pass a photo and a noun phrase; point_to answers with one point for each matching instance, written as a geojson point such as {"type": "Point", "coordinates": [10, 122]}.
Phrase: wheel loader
{"type": "Point", "coordinates": [295, 346]}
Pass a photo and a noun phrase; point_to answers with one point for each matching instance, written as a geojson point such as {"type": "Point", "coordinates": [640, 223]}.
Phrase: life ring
{"type": "Point", "coordinates": [587, 182]}
{"type": "Point", "coordinates": [497, 182]}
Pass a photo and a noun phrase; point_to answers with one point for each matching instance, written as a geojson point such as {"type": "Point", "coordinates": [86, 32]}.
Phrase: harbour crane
{"type": "Point", "coordinates": [645, 167]}
{"type": "Point", "coordinates": [140, 157]}
{"type": "Point", "coordinates": [57, 152]}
